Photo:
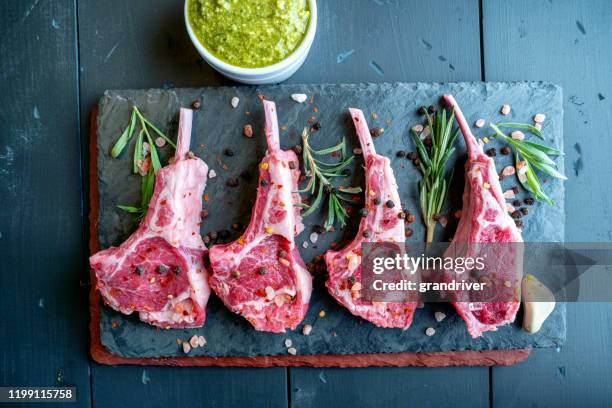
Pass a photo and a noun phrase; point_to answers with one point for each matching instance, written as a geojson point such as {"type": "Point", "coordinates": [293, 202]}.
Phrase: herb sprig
{"type": "Point", "coordinates": [147, 182]}
{"type": "Point", "coordinates": [320, 175]}
{"type": "Point", "coordinates": [436, 182]}
{"type": "Point", "coordinates": [529, 155]}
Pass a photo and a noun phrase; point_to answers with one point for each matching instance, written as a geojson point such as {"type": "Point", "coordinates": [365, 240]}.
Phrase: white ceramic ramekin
{"type": "Point", "coordinates": [265, 75]}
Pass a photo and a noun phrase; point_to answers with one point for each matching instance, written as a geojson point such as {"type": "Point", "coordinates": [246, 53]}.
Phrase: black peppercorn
{"type": "Point", "coordinates": [390, 204]}
{"type": "Point", "coordinates": [432, 109]}
{"type": "Point", "coordinates": [400, 153]}
{"type": "Point", "coordinates": [263, 183]}
{"type": "Point", "coordinates": [292, 165]}
{"type": "Point", "coordinates": [177, 270]}
{"type": "Point", "coordinates": [204, 214]}
{"type": "Point", "coordinates": [376, 201]}
{"type": "Point", "coordinates": [363, 212]}
{"type": "Point", "coordinates": [262, 271]}
{"type": "Point", "coordinates": [229, 152]}
{"type": "Point", "coordinates": [529, 201]}
{"type": "Point", "coordinates": [351, 280]}
{"type": "Point", "coordinates": [505, 150]}
{"type": "Point", "coordinates": [161, 269]}
{"type": "Point", "coordinates": [366, 234]}
{"type": "Point", "coordinates": [139, 270]}
{"type": "Point", "coordinates": [411, 155]}
{"type": "Point", "coordinates": [516, 203]}
{"type": "Point", "coordinates": [422, 110]}
{"type": "Point", "coordinates": [525, 211]}
{"type": "Point", "coordinates": [318, 229]}
{"type": "Point", "coordinates": [282, 253]}
{"type": "Point", "coordinates": [515, 190]}
{"type": "Point", "coordinates": [516, 214]}
{"type": "Point", "coordinates": [491, 152]}
{"type": "Point", "coordinates": [401, 215]}
{"type": "Point", "coordinates": [519, 223]}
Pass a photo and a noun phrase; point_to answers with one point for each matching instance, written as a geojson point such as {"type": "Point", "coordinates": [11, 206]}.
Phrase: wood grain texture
{"type": "Point", "coordinates": [566, 42]}
{"type": "Point", "coordinates": [128, 45]}
{"type": "Point", "coordinates": [43, 332]}
{"type": "Point", "coordinates": [409, 41]}
{"type": "Point", "coordinates": [390, 387]}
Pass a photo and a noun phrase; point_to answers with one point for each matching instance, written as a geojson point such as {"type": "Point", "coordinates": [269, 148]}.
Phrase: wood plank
{"type": "Point", "coordinates": [126, 45]}
{"type": "Point", "coordinates": [43, 337]}
{"type": "Point", "coordinates": [116, 387]}
{"type": "Point", "coordinates": [390, 387]}
{"type": "Point", "coordinates": [408, 40]}
{"type": "Point", "coordinates": [566, 42]}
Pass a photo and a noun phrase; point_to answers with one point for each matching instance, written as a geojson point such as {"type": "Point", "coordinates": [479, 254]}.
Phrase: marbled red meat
{"type": "Point", "coordinates": [159, 271]}
{"type": "Point", "coordinates": [484, 220]}
{"type": "Point", "coordinates": [381, 225]}
{"type": "Point", "coordinates": [261, 276]}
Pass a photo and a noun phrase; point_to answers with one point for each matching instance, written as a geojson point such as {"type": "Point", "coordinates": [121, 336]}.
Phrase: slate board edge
{"type": "Point", "coordinates": [102, 355]}
{"type": "Point", "coordinates": [413, 85]}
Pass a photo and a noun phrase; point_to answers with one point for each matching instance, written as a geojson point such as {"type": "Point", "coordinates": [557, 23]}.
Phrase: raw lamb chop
{"type": "Point", "coordinates": [485, 220]}
{"type": "Point", "coordinates": [159, 271]}
{"type": "Point", "coordinates": [380, 224]}
{"type": "Point", "coordinates": [261, 276]}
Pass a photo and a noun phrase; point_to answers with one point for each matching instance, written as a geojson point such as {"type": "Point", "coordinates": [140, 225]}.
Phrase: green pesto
{"type": "Point", "coordinates": [249, 34]}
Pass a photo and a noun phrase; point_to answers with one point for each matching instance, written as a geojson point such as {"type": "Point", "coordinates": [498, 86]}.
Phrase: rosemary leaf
{"type": "Point", "coordinates": [125, 137]}
{"type": "Point", "coordinates": [523, 126]}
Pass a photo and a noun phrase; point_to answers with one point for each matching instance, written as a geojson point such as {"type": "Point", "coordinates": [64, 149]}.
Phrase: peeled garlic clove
{"type": "Point", "coordinates": [538, 301]}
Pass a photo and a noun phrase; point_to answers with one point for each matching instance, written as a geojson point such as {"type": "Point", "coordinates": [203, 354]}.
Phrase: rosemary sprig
{"type": "Point", "coordinates": [530, 155]}
{"type": "Point", "coordinates": [435, 184]}
{"type": "Point", "coordinates": [147, 183]}
{"type": "Point", "coordinates": [320, 175]}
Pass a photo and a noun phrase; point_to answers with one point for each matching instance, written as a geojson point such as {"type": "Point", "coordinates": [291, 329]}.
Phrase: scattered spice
{"type": "Point", "coordinates": [247, 130]}
{"type": "Point", "coordinates": [196, 104]}
{"type": "Point", "coordinates": [299, 97]}
{"type": "Point", "coordinates": [439, 316]}
{"type": "Point", "coordinates": [366, 234]}
{"type": "Point", "coordinates": [322, 313]}
{"type": "Point", "coordinates": [186, 347]}
{"type": "Point", "coordinates": [417, 128]}
{"type": "Point", "coordinates": [262, 271]}
{"type": "Point", "coordinates": [235, 274]}
{"type": "Point", "coordinates": [377, 131]}
{"type": "Point", "coordinates": [492, 152]}
{"type": "Point", "coordinates": [422, 110]}
{"type": "Point", "coordinates": [525, 211]}
{"type": "Point", "coordinates": [519, 223]}
{"type": "Point", "coordinates": [539, 118]}
{"type": "Point", "coordinates": [139, 270]}
{"type": "Point", "coordinates": [516, 214]}
{"type": "Point", "coordinates": [161, 269]}
{"type": "Point", "coordinates": [292, 351]}
{"type": "Point", "coordinates": [400, 153]}
{"type": "Point", "coordinates": [505, 150]}
{"type": "Point", "coordinates": [228, 152]}
{"type": "Point", "coordinates": [409, 232]}
{"type": "Point", "coordinates": [529, 201]}
{"type": "Point", "coordinates": [390, 204]}
{"type": "Point", "coordinates": [480, 123]}
{"type": "Point", "coordinates": [505, 109]}
{"type": "Point", "coordinates": [234, 102]}
{"type": "Point", "coordinates": [306, 329]}
{"type": "Point", "coordinates": [160, 141]}
{"type": "Point", "coordinates": [430, 331]}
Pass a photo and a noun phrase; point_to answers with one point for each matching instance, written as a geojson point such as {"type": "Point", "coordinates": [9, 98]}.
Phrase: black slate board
{"type": "Point", "coordinates": [218, 126]}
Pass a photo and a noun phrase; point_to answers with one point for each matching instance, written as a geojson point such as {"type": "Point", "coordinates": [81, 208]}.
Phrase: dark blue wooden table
{"type": "Point", "coordinates": [56, 59]}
